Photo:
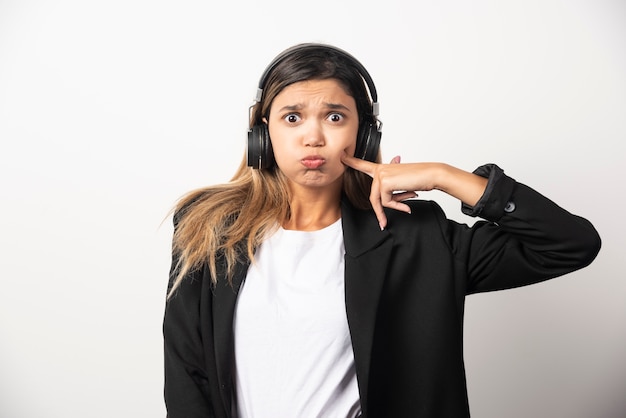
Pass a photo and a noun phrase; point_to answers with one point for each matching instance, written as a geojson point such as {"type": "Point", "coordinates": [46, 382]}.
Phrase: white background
{"type": "Point", "coordinates": [111, 110]}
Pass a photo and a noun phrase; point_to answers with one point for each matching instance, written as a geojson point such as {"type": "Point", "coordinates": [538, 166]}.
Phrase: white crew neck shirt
{"type": "Point", "coordinates": [293, 352]}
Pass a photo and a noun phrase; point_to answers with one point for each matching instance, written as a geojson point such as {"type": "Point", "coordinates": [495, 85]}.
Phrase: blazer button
{"type": "Point", "coordinates": [510, 207]}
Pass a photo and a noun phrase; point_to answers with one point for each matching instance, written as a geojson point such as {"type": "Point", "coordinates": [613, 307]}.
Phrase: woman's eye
{"type": "Point", "coordinates": [335, 117]}
{"type": "Point", "coordinates": [292, 118]}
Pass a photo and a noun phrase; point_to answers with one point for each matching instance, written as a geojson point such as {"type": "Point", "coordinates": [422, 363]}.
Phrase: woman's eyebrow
{"type": "Point", "coordinates": [337, 106]}
{"type": "Point", "coordinates": [290, 108]}
{"type": "Point", "coordinates": [298, 106]}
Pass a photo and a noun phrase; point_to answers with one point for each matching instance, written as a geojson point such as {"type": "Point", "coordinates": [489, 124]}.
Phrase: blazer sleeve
{"type": "Point", "coordinates": [186, 389]}
{"type": "Point", "coordinates": [525, 237]}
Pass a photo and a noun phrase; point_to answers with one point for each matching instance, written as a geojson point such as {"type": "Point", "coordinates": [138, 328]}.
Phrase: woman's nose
{"type": "Point", "coordinates": [314, 135]}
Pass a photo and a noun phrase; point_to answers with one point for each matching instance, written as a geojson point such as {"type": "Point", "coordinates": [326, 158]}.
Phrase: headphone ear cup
{"type": "Point", "coordinates": [368, 142]}
{"type": "Point", "coordinates": [260, 152]}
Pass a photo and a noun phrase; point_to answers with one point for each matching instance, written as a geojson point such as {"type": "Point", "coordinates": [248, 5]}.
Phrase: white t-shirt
{"type": "Point", "coordinates": [293, 352]}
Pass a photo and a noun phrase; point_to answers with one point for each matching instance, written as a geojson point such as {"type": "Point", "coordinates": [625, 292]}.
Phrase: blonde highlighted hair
{"type": "Point", "coordinates": [218, 226]}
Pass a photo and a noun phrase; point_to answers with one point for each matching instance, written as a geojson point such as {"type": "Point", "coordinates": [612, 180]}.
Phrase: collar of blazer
{"type": "Point", "coordinates": [360, 229]}
{"type": "Point", "coordinates": [368, 250]}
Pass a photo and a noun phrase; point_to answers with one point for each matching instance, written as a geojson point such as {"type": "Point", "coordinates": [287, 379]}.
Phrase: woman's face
{"type": "Point", "coordinates": [311, 124]}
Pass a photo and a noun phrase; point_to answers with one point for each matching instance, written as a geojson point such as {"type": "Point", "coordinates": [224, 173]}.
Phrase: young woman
{"type": "Point", "coordinates": [314, 284]}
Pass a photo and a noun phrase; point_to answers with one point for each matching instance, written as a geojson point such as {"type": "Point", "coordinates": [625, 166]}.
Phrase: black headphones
{"type": "Point", "coordinates": [260, 153]}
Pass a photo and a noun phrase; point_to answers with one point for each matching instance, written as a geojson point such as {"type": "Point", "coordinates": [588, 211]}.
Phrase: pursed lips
{"type": "Point", "coordinates": [313, 162]}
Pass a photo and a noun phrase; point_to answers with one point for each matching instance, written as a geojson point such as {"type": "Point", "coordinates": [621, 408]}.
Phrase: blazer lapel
{"type": "Point", "coordinates": [224, 300]}
{"type": "Point", "coordinates": [368, 250]}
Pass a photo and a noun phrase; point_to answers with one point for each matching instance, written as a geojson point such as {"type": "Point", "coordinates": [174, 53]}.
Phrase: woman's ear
{"type": "Point", "coordinates": [264, 120]}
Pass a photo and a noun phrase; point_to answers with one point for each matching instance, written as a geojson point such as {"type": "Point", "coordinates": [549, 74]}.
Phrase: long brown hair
{"type": "Point", "coordinates": [225, 223]}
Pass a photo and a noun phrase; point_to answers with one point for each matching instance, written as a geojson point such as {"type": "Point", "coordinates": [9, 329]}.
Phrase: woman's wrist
{"type": "Point", "coordinates": [463, 185]}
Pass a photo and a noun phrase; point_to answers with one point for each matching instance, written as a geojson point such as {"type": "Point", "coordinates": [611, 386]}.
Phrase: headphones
{"type": "Point", "coordinates": [260, 153]}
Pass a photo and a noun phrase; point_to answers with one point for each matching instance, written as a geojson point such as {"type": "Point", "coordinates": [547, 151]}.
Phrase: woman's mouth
{"type": "Point", "coordinates": [313, 162]}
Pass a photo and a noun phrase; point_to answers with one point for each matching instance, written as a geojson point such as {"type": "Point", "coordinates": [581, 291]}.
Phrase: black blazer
{"type": "Point", "coordinates": [405, 290]}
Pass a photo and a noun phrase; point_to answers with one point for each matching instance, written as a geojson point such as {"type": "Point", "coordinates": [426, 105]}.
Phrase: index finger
{"type": "Point", "coordinates": [366, 167]}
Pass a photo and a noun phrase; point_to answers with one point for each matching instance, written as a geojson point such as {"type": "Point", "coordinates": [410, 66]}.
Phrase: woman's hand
{"type": "Point", "coordinates": [392, 183]}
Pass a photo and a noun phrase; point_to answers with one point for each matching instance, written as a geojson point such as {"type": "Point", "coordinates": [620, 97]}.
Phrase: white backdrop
{"type": "Point", "coordinates": [110, 110]}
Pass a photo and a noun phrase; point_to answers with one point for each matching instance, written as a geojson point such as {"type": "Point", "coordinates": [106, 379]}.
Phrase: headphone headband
{"type": "Point", "coordinates": [300, 47]}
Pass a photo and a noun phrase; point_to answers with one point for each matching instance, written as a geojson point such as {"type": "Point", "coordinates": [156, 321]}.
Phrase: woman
{"type": "Point", "coordinates": [313, 284]}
